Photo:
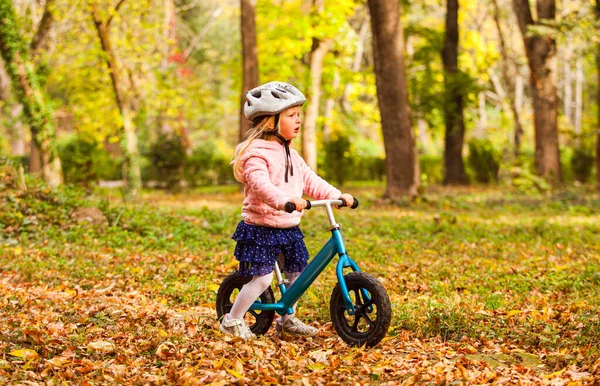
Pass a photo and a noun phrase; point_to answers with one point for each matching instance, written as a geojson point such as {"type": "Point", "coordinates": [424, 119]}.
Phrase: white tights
{"type": "Point", "coordinates": [253, 289]}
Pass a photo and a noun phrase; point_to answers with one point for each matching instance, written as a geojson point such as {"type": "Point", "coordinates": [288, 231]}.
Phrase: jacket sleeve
{"type": "Point", "coordinates": [256, 174]}
{"type": "Point", "coordinates": [315, 186]}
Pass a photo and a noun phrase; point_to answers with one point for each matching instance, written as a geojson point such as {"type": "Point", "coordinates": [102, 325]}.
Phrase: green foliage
{"type": "Point", "coordinates": [582, 163]}
{"type": "Point", "coordinates": [341, 160]}
{"type": "Point", "coordinates": [84, 161]}
{"type": "Point", "coordinates": [208, 165]}
{"type": "Point", "coordinates": [525, 179]}
{"type": "Point", "coordinates": [167, 157]}
{"type": "Point", "coordinates": [484, 160]}
{"type": "Point", "coordinates": [432, 169]}
{"type": "Point", "coordinates": [336, 165]}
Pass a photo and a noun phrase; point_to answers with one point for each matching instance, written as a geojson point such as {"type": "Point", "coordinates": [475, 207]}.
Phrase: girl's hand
{"type": "Point", "coordinates": [299, 202]}
{"type": "Point", "coordinates": [348, 198]}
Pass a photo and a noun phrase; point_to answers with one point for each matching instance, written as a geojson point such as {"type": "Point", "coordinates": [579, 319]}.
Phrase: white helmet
{"type": "Point", "coordinates": [271, 98]}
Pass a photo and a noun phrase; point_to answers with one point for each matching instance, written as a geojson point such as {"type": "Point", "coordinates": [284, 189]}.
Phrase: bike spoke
{"type": "Point", "coordinates": [359, 300]}
{"type": "Point", "coordinates": [254, 313]}
{"type": "Point", "coordinates": [356, 321]}
{"type": "Point", "coordinates": [369, 321]}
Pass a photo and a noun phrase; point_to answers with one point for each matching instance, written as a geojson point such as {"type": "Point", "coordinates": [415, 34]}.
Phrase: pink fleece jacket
{"type": "Point", "coordinates": [265, 189]}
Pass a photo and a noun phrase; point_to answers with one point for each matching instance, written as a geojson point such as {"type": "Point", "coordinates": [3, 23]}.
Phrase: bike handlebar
{"type": "Point", "coordinates": [290, 206]}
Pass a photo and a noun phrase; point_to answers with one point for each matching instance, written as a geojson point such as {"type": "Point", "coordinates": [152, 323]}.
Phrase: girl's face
{"type": "Point", "coordinates": [289, 122]}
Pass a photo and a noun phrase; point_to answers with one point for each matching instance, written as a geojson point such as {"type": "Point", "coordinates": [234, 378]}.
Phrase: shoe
{"type": "Point", "coordinates": [236, 327]}
{"type": "Point", "coordinates": [294, 327]}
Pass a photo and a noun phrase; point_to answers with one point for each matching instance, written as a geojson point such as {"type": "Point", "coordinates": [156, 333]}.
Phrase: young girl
{"type": "Point", "coordinates": [272, 174]}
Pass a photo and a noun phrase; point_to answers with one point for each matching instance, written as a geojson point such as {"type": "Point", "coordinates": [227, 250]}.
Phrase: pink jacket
{"type": "Point", "coordinates": [265, 189]}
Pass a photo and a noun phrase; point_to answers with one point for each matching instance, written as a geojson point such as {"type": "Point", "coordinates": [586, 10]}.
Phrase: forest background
{"type": "Point", "coordinates": [158, 85]}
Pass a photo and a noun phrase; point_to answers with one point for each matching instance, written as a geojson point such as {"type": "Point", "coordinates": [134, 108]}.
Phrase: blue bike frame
{"type": "Point", "coordinates": [335, 245]}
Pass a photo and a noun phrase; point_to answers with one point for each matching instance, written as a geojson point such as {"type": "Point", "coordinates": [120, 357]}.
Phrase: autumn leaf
{"type": "Point", "coordinates": [25, 354]}
{"type": "Point", "coordinates": [101, 347]}
{"type": "Point", "coordinates": [166, 350]}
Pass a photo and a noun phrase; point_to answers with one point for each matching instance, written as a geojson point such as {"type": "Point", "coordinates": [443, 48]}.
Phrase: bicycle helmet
{"type": "Point", "coordinates": [272, 98]}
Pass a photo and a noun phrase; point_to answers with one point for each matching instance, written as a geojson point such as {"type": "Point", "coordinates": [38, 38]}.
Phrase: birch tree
{"type": "Point", "coordinates": [129, 141]}
{"type": "Point", "coordinates": [21, 70]}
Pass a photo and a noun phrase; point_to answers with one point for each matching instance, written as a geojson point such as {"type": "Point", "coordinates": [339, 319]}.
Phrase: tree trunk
{"type": "Point", "coordinates": [402, 164]}
{"type": "Point", "coordinates": [41, 36]}
{"type": "Point", "coordinates": [482, 124]}
{"type": "Point", "coordinates": [568, 87]}
{"type": "Point", "coordinates": [4, 82]}
{"type": "Point", "coordinates": [541, 57]}
{"type": "Point", "coordinates": [330, 105]}
{"type": "Point", "coordinates": [131, 165]}
{"type": "Point", "coordinates": [453, 109]}
{"type": "Point", "coordinates": [513, 88]}
{"type": "Point", "coordinates": [319, 49]}
{"type": "Point", "coordinates": [358, 56]}
{"type": "Point", "coordinates": [309, 129]}
{"type": "Point", "coordinates": [25, 85]}
{"type": "Point", "coordinates": [249, 59]}
{"type": "Point", "coordinates": [598, 102]}
{"type": "Point", "coordinates": [578, 100]}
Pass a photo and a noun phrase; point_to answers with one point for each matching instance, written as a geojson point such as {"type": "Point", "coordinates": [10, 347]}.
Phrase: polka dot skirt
{"type": "Point", "coordinates": [258, 247]}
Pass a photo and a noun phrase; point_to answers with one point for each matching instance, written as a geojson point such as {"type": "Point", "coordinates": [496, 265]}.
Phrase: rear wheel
{"type": "Point", "coordinates": [258, 321]}
{"type": "Point", "coordinates": [373, 312]}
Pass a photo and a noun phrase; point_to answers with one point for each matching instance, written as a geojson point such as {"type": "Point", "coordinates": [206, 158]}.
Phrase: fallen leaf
{"type": "Point", "coordinates": [321, 355]}
{"type": "Point", "coordinates": [166, 350]}
{"type": "Point", "coordinates": [101, 347]}
{"type": "Point", "coordinates": [25, 354]}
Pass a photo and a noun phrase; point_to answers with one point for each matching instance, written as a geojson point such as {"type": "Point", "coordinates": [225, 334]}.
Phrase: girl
{"type": "Point", "coordinates": [272, 174]}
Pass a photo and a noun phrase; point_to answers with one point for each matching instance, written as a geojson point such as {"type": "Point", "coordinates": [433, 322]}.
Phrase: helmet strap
{"type": "Point", "coordinates": [289, 167]}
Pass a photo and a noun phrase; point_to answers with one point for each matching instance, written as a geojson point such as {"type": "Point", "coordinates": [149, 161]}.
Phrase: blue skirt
{"type": "Point", "coordinates": [258, 247]}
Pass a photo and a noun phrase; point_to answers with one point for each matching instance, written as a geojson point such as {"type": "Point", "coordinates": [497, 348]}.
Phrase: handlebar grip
{"type": "Point", "coordinates": [354, 204]}
{"type": "Point", "coordinates": [290, 206]}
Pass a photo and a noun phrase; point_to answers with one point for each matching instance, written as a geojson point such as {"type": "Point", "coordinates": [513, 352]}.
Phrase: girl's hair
{"type": "Point", "coordinates": [262, 128]}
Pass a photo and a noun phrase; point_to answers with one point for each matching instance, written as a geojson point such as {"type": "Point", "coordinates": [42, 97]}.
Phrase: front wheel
{"type": "Point", "coordinates": [373, 310]}
{"type": "Point", "coordinates": [258, 321]}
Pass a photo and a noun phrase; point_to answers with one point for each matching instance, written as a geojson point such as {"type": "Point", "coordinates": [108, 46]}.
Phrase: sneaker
{"type": "Point", "coordinates": [236, 327]}
{"type": "Point", "coordinates": [294, 327]}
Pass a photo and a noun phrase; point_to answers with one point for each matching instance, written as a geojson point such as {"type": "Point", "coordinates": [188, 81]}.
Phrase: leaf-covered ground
{"type": "Point", "coordinates": [488, 287]}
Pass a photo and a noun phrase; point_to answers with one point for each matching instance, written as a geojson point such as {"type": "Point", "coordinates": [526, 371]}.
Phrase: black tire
{"type": "Point", "coordinates": [365, 327]}
{"type": "Point", "coordinates": [258, 321]}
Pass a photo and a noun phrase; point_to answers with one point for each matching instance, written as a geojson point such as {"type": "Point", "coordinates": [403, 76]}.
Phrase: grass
{"type": "Point", "coordinates": [471, 263]}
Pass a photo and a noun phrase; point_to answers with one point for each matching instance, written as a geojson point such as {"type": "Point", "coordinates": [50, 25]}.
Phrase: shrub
{"type": "Point", "coordinates": [525, 180]}
{"type": "Point", "coordinates": [76, 154]}
{"type": "Point", "coordinates": [432, 169]}
{"type": "Point", "coordinates": [208, 165]}
{"type": "Point", "coordinates": [484, 160]}
{"type": "Point", "coordinates": [84, 161]}
{"type": "Point", "coordinates": [337, 163]}
{"type": "Point", "coordinates": [341, 160]}
{"type": "Point", "coordinates": [582, 163]}
{"type": "Point", "coordinates": [167, 157]}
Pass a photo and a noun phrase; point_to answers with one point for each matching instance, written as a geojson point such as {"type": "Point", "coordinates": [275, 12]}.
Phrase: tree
{"type": "Point", "coordinates": [129, 146]}
{"type": "Point", "coordinates": [26, 87]}
{"type": "Point", "coordinates": [518, 133]}
{"type": "Point", "coordinates": [598, 102]}
{"type": "Point", "coordinates": [398, 136]}
{"type": "Point", "coordinates": [453, 108]}
{"type": "Point", "coordinates": [320, 47]}
{"type": "Point", "coordinates": [541, 57]}
{"type": "Point", "coordinates": [249, 58]}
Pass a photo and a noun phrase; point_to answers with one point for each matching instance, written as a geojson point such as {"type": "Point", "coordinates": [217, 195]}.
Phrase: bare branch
{"type": "Point", "coordinates": [197, 38]}
{"type": "Point", "coordinates": [116, 11]}
{"type": "Point", "coordinates": [41, 35]}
